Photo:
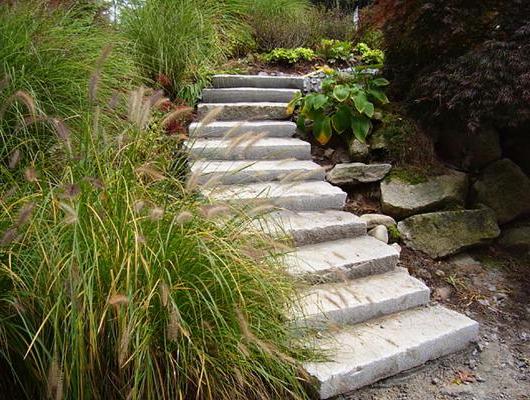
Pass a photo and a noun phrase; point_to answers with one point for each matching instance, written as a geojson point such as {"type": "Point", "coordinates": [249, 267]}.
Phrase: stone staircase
{"type": "Point", "coordinates": [375, 319]}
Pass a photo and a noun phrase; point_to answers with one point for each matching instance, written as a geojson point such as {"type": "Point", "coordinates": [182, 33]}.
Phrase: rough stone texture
{"type": "Point", "coordinates": [262, 149]}
{"type": "Point", "coordinates": [380, 232]}
{"type": "Point", "coordinates": [372, 220]}
{"type": "Point", "coordinates": [238, 172]}
{"type": "Point", "coordinates": [516, 239]}
{"type": "Point", "coordinates": [357, 173]}
{"type": "Point", "coordinates": [237, 95]}
{"type": "Point", "coordinates": [313, 226]}
{"type": "Point", "coordinates": [221, 129]}
{"type": "Point", "coordinates": [361, 300]}
{"type": "Point", "coordinates": [359, 151]}
{"type": "Point", "coordinates": [365, 353]}
{"type": "Point", "coordinates": [287, 82]}
{"type": "Point", "coordinates": [402, 199]}
{"type": "Point", "coordinates": [243, 111]}
{"type": "Point", "coordinates": [470, 151]}
{"type": "Point", "coordinates": [441, 234]}
{"type": "Point", "coordinates": [341, 259]}
{"type": "Point", "coordinates": [505, 188]}
{"type": "Point", "coordinates": [296, 196]}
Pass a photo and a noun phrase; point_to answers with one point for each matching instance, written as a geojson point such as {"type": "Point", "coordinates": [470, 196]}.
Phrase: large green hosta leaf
{"type": "Point", "coordinates": [361, 125]}
{"type": "Point", "coordinates": [322, 130]}
{"type": "Point", "coordinates": [341, 93]}
{"type": "Point", "coordinates": [341, 120]}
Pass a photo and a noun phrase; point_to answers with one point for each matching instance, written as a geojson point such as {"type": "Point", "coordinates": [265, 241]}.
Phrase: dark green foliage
{"type": "Point", "coordinates": [346, 106]}
{"type": "Point", "coordinates": [461, 61]}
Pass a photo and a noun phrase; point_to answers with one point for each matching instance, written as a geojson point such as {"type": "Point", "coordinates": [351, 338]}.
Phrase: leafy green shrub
{"type": "Point", "coordinates": [333, 50]}
{"type": "Point", "coordinates": [117, 282]}
{"type": "Point", "coordinates": [369, 56]}
{"type": "Point", "coordinates": [373, 38]}
{"type": "Point", "coordinates": [48, 56]}
{"type": "Point", "coordinates": [177, 42]}
{"type": "Point", "coordinates": [289, 56]}
{"type": "Point", "coordinates": [345, 107]}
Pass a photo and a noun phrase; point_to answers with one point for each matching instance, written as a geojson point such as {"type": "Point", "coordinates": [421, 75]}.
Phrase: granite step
{"type": "Point", "coordinates": [361, 299]}
{"type": "Point", "coordinates": [340, 260]}
{"type": "Point", "coordinates": [249, 149]}
{"type": "Point", "coordinates": [297, 196]}
{"type": "Point", "coordinates": [258, 81]}
{"type": "Point", "coordinates": [226, 129]}
{"type": "Point", "coordinates": [243, 111]}
{"type": "Point", "coordinates": [248, 94]}
{"type": "Point", "coordinates": [249, 171]}
{"type": "Point", "coordinates": [312, 227]}
{"type": "Point", "coordinates": [362, 354]}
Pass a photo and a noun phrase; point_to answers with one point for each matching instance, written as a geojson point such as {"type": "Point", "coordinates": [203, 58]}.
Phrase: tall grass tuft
{"type": "Point", "coordinates": [48, 54]}
{"type": "Point", "coordinates": [117, 282]}
{"type": "Point", "coordinates": [177, 42]}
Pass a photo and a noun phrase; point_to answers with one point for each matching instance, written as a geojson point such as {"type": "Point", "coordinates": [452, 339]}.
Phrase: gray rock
{"type": "Point", "coordinates": [359, 151]}
{"type": "Point", "coordinates": [380, 232]}
{"type": "Point", "coordinates": [505, 188]}
{"type": "Point", "coordinates": [442, 234]}
{"type": "Point", "coordinates": [402, 199]}
{"type": "Point", "coordinates": [340, 156]}
{"type": "Point", "coordinates": [470, 151]}
{"type": "Point", "coordinates": [516, 239]}
{"type": "Point", "coordinates": [372, 220]}
{"type": "Point", "coordinates": [356, 173]}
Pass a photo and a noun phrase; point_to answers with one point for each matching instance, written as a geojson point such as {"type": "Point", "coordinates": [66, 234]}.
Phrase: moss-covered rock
{"type": "Point", "coordinates": [505, 188]}
{"type": "Point", "coordinates": [441, 234]}
{"type": "Point", "coordinates": [402, 198]}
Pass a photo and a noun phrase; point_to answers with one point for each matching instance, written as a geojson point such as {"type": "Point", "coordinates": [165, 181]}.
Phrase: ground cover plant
{"type": "Point", "coordinates": [289, 56]}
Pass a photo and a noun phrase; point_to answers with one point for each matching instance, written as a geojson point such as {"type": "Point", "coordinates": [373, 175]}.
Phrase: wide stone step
{"type": "Point", "coordinates": [231, 81]}
{"type": "Point", "coordinates": [313, 226]}
{"type": "Point", "coordinates": [221, 129]}
{"type": "Point", "coordinates": [248, 171]}
{"type": "Point", "coordinates": [250, 149]}
{"type": "Point", "coordinates": [241, 94]}
{"type": "Point", "coordinates": [360, 300]}
{"type": "Point", "coordinates": [297, 196]}
{"type": "Point", "coordinates": [342, 259]}
{"type": "Point", "coordinates": [365, 353]}
{"type": "Point", "coordinates": [243, 111]}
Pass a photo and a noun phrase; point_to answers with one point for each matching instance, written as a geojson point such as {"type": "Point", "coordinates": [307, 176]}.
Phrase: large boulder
{"type": "Point", "coordinates": [402, 199]}
{"type": "Point", "coordinates": [356, 173]}
{"type": "Point", "coordinates": [505, 188]}
{"type": "Point", "coordinates": [516, 239]}
{"type": "Point", "coordinates": [470, 151]}
{"type": "Point", "coordinates": [441, 234]}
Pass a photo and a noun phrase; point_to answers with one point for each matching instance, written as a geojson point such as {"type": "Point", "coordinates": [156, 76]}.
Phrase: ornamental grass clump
{"type": "Point", "coordinates": [118, 282]}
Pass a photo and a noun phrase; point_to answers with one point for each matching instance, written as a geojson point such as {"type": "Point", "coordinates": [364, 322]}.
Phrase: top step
{"type": "Point", "coordinates": [258, 81]}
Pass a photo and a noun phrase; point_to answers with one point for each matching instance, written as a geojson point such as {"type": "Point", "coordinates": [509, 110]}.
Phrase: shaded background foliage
{"type": "Point", "coordinates": [459, 64]}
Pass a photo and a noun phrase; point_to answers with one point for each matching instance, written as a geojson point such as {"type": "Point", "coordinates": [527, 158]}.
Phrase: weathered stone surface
{"type": "Point", "coordinates": [470, 151]}
{"type": "Point", "coordinates": [441, 234]}
{"type": "Point", "coordinates": [517, 239]}
{"type": "Point", "coordinates": [357, 173]}
{"type": "Point", "coordinates": [380, 232]}
{"type": "Point", "coordinates": [372, 220]}
{"type": "Point", "coordinates": [359, 151]}
{"type": "Point", "coordinates": [402, 199]}
{"type": "Point", "coordinates": [505, 188]}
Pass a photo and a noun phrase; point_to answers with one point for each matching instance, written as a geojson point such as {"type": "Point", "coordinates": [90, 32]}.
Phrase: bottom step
{"type": "Point", "coordinates": [363, 354]}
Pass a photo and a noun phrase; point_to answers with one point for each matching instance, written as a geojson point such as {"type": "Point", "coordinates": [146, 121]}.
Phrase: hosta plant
{"type": "Point", "coordinates": [346, 106]}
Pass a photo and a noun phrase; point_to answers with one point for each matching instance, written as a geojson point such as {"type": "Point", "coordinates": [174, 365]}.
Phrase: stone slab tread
{"type": "Point", "coordinates": [230, 129]}
{"type": "Point", "coordinates": [361, 299]}
{"type": "Point", "coordinates": [342, 259]}
{"type": "Point", "coordinates": [365, 353]}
